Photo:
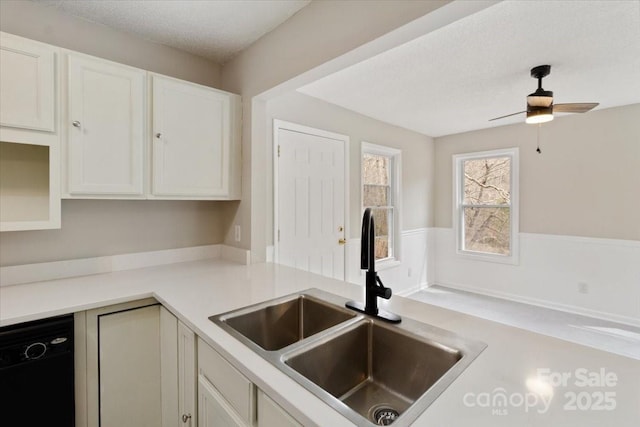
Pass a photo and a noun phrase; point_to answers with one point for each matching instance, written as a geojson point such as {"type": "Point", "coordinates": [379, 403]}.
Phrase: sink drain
{"type": "Point", "coordinates": [385, 415]}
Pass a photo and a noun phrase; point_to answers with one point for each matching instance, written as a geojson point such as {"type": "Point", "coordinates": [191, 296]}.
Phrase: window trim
{"type": "Point", "coordinates": [458, 205]}
{"type": "Point", "coordinates": [395, 156]}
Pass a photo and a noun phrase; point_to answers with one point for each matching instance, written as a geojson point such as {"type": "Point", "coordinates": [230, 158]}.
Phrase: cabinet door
{"type": "Point", "coordinates": [169, 368]}
{"type": "Point", "coordinates": [213, 410]}
{"type": "Point", "coordinates": [105, 127]}
{"type": "Point", "coordinates": [187, 375]}
{"type": "Point", "coordinates": [191, 139]}
{"type": "Point", "coordinates": [27, 84]}
{"type": "Point", "coordinates": [270, 414]}
{"type": "Point", "coordinates": [178, 363]}
{"type": "Point", "coordinates": [129, 368]}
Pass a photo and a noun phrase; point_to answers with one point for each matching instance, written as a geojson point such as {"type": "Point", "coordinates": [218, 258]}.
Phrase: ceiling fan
{"type": "Point", "coordinates": [540, 106]}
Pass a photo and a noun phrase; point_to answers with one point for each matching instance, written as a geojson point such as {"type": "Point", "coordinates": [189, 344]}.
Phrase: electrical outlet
{"type": "Point", "coordinates": [583, 287]}
{"type": "Point", "coordinates": [237, 232]}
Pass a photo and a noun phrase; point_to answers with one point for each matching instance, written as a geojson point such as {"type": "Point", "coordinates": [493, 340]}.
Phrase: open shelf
{"type": "Point", "coordinates": [29, 188]}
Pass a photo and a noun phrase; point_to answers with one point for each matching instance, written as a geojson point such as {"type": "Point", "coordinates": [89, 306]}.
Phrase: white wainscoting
{"type": "Point", "coordinates": [550, 273]}
{"type": "Point", "coordinates": [405, 277]}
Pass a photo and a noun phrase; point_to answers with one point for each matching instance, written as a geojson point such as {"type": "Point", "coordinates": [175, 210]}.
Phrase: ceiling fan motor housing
{"type": "Point", "coordinates": [540, 102]}
{"type": "Point", "coordinates": [540, 99]}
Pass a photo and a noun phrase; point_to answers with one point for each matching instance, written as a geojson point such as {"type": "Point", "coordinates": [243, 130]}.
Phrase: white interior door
{"type": "Point", "coordinates": [310, 227]}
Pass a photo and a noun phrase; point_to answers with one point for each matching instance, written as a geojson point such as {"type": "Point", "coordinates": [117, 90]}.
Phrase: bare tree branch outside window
{"type": "Point", "coordinates": [376, 189]}
{"type": "Point", "coordinates": [486, 207]}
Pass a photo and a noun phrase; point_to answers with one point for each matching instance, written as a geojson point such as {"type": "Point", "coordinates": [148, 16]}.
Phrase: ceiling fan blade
{"type": "Point", "coordinates": [508, 115]}
{"type": "Point", "coordinates": [575, 107]}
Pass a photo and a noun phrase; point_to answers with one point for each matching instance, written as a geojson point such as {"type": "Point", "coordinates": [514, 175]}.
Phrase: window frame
{"type": "Point", "coordinates": [458, 205]}
{"type": "Point", "coordinates": [395, 196]}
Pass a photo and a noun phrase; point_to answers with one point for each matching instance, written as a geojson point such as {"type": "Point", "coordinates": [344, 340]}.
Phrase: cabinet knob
{"type": "Point", "coordinates": [75, 123]}
{"type": "Point", "coordinates": [158, 135]}
{"type": "Point", "coordinates": [342, 242]}
{"type": "Point", "coordinates": [186, 417]}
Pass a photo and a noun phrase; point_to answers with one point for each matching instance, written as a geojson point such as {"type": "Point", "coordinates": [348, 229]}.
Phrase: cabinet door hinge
{"type": "Point", "coordinates": [278, 235]}
{"type": "Point", "coordinates": [278, 150]}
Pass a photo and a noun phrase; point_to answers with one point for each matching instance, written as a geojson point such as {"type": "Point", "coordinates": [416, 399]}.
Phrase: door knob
{"type": "Point", "coordinates": [342, 241]}
{"type": "Point", "coordinates": [158, 135]}
{"type": "Point", "coordinates": [75, 123]}
{"type": "Point", "coordinates": [186, 417]}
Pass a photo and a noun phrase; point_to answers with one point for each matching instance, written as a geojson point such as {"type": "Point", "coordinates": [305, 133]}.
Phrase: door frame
{"type": "Point", "coordinates": [345, 140]}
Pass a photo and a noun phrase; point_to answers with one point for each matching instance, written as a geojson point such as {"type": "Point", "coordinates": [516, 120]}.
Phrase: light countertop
{"type": "Point", "coordinates": [502, 387]}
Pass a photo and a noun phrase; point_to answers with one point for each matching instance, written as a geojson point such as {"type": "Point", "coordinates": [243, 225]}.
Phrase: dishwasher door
{"type": "Point", "coordinates": [37, 373]}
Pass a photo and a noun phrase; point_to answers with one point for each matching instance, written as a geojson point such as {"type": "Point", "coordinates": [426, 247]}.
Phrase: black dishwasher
{"type": "Point", "coordinates": [36, 373]}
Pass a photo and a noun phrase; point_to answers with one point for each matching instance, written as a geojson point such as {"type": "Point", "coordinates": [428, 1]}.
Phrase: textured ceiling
{"type": "Point", "coordinates": [214, 29]}
{"type": "Point", "coordinates": [458, 77]}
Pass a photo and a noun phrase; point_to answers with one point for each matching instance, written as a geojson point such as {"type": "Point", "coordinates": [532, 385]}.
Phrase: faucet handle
{"type": "Point", "coordinates": [382, 291]}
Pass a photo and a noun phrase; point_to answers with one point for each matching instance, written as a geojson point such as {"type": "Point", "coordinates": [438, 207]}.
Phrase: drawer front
{"type": "Point", "coordinates": [232, 385]}
{"type": "Point", "coordinates": [213, 410]}
{"type": "Point", "coordinates": [270, 414]}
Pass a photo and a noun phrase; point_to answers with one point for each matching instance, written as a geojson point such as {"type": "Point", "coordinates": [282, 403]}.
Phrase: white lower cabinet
{"type": "Point", "coordinates": [213, 409]}
{"type": "Point", "coordinates": [227, 398]}
{"type": "Point", "coordinates": [137, 365]}
{"type": "Point", "coordinates": [218, 380]}
{"type": "Point", "coordinates": [270, 414]}
{"type": "Point", "coordinates": [178, 360]}
{"type": "Point", "coordinates": [130, 368]}
{"type": "Point", "coordinates": [118, 374]}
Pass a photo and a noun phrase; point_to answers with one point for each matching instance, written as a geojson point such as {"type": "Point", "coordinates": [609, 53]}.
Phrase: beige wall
{"type": "Point", "coordinates": [586, 182]}
{"type": "Point", "coordinates": [93, 228]}
{"type": "Point", "coordinates": [321, 38]}
{"type": "Point", "coordinates": [417, 156]}
{"type": "Point", "coordinates": [35, 21]}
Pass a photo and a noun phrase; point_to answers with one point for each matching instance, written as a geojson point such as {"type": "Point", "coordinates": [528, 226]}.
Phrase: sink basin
{"type": "Point", "coordinates": [372, 372]}
{"type": "Point", "coordinates": [373, 367]}
{"type": "Point", "coordinates": [279, 324]}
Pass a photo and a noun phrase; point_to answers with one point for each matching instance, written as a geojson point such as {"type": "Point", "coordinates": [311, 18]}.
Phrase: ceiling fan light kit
{"type": "Point", "coordinates": [539, 115]}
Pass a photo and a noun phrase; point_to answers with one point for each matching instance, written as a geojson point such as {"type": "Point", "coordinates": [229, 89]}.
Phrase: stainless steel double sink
{"type": "Point", "coordinates": [372, 372]}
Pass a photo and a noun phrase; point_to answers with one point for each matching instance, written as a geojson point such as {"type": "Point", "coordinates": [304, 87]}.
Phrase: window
{"type": "Point", "coordinates": [380, 192]}
{"type": "Point", "coordinates": [486, 204]}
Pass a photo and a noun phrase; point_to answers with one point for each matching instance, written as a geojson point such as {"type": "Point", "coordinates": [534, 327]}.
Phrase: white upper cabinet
{"type": "Point", "coordinates": [105, 127]}
{"type": "Point", "coordinates": [110, 131]}
{"type": "Point", "coordinates": [194, 139]}
{"type": "Point", "coordinates": [27, 90]}
{"type": "Point", "coordinates": [29, 135]}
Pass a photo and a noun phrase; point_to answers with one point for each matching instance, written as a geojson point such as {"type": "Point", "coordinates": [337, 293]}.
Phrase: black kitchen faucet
{"type": "Point", "coordinates": [374, 287]}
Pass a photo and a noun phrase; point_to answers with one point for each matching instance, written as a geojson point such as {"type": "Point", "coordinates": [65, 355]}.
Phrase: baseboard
{"type": "Point", "coordinates": [28, 273]}
{"type": "Point", "coordinates": [546, 304]}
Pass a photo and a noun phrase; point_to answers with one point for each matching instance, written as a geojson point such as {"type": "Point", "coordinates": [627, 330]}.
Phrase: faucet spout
{"type": "Point", "coordinates": [367, 242]}
{"type": "Point", "coordinates": [374, 287]}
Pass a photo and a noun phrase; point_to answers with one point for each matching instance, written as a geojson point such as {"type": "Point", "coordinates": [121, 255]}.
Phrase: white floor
{"type": "Point", "coordinates": [601, 334]}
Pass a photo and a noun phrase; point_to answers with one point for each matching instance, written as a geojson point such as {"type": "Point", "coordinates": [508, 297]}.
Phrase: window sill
{"type": "Point", "coordinates": [478, 256]}
{"type": "Point", "coordinates": [387, 264]}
